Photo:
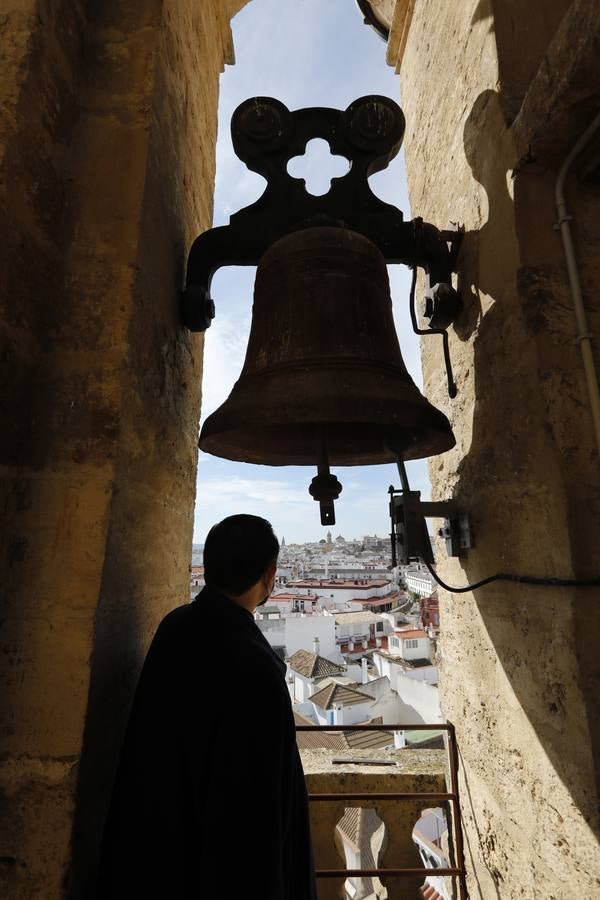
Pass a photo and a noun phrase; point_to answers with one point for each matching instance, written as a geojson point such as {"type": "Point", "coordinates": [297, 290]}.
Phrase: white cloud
{"type": "Point", "coordinates": [224, 352]}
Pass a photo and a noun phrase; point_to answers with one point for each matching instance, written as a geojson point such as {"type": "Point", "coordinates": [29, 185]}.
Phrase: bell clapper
{"type": "Point", "coordinates": [325, 487]}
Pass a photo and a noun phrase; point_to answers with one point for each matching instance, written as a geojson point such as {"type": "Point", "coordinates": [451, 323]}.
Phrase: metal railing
{"type": "Point", "coordinates": [458, 871]}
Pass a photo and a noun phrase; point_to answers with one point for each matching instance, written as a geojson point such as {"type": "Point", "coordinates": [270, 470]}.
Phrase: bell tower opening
{"type": "Point", "coordinates": [303, 71]}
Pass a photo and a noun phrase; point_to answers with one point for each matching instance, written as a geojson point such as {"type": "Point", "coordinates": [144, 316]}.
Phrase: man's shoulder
{"type": "Point", "coordinates": [178, 619]}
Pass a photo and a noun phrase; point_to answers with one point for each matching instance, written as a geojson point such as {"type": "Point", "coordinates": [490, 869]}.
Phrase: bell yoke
{"type": "Point", "coordinates": [323, 381]}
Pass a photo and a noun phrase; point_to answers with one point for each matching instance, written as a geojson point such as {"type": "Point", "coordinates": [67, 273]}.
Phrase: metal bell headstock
{"type": "Point", "coordinates": [266, 135]}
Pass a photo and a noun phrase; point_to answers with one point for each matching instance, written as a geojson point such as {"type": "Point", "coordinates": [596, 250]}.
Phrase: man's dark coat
{"type": "Point", "coordinates": [209, 801]}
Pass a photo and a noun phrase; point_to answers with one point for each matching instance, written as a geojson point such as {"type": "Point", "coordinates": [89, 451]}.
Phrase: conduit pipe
{"type": "Point", "coordinates": [584, 336]}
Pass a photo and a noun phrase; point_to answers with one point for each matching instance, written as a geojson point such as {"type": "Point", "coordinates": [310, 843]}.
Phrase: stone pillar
{"type": "Point", "coordinates": [107, 135]}
{"type": "Point", "coordinates": [493, 103]}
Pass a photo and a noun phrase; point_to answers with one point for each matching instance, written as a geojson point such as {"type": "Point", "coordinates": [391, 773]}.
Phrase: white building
{"type": "Point", "coordinates": [430, 835]}
{"type": "Point", "coordinates": [283, 574]}
{"type": "Point", "coordinates": [410, 643]}
{"type": "Point", "coordinates": [414, 683]}
{"type": "Point", "coordinates": [349, 571]}
{"type": "Point", "coordinates": [371, 593]}
{"type": "Point", "coordinates": [294, 602]}
{"type": "Point", "coordinates": [356, 630]}
{"type": "Point", "coordinates": [196, 579]}
{"type": "Point", "coordinates": [419, 581]}
{"type": "Point", "coordinates": [293, 633]}
{"type": "Point", "coordinates": [399, 615]}
{"type": "Point", "coordinates": [340, 704]}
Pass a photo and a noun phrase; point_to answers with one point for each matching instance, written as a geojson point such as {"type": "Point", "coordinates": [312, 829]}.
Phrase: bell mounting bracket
{"type": "Point", "coordinates": [409, 536]}
{"type": "Point", "coordinates": [266, 135]}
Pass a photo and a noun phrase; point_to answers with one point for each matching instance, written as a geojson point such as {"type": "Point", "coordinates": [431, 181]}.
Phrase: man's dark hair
{"type": "Point", "coordinates": [237, 551]}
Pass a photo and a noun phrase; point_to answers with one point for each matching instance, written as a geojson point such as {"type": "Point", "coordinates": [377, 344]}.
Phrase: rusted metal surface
{"type": "Point", "coordinates": [324, 379]}
{"type": "Point", "coordinates": [390, 795]}
{"type": "Point", "coordinates": [397, 873]}
{"type": "Point", "coordinates": [458, 871]}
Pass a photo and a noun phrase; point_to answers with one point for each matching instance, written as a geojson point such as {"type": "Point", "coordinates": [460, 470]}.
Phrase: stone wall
{"type": "Point", "coordinates": [495, 95]}
{"type": "Point", "coordinates": [413, 770]}
{"type": "Point", "coordinates": [107, 136]}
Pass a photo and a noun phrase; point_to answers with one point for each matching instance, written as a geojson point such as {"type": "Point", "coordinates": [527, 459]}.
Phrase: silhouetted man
{"type": "Point", "coordinates": [209, 801]}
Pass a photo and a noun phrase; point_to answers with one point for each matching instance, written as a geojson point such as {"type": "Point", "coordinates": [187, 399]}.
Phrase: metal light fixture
{"type": "Point", "coordinates": [323, 381]}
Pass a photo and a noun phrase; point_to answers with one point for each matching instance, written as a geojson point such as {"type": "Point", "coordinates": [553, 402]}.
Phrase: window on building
{"type": "Point", "coordinates": [380, 626]}
{"type": "Point", "coordinates": [411, 644]}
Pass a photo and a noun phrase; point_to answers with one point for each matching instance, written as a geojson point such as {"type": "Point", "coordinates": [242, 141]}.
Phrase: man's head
{"type": "Point", "coordinates": [240, 553]}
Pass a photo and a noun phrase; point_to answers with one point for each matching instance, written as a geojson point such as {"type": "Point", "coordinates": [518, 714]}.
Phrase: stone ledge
{"type": "Point", "coordinates": [407, 762]}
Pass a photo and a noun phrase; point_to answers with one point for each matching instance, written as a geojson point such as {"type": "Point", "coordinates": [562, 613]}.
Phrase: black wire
{"type": "Point", "coordinates": [452, 389]}
{"type": "Point", "coordinates": [500, 576]}
{"type": "Point", "coordinates": [521, 579]}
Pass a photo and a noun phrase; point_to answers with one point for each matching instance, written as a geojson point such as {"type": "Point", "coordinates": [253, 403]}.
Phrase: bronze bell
{"type": "Point", "coordinates": [324, 380]}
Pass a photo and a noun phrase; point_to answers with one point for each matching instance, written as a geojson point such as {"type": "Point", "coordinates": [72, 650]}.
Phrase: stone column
{"type": "Point", "coordinates": [495, 95]}
{"type": "Point", "coordinates": [107, 135]}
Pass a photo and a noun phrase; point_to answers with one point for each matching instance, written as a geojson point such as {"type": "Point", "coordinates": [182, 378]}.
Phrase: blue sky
{"type": "Point", "coordinates": [305, 53]}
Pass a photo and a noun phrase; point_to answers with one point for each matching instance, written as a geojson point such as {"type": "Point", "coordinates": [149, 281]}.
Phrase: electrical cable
{"type": "Point", "coordinates": [499, 576]}
{"type": "Point", "coordinates": [521, 579]}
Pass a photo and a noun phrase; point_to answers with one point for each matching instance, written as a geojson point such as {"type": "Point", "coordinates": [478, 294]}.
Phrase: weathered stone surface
{"type": "Point", "coordinates": [519, 677]}
{"type": "Point", "coordinates": [107, 137]}
{"type": "Point", "coordinates": [422, 771]}
{"type": "Point", "coordinates": [564, 93]}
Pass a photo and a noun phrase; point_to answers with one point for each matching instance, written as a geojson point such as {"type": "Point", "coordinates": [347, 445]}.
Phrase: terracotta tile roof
{"type": "Point", "coordinates": [429, 893]}
{"type": "Point", "coordinates": [311, 665]}
{"type": "Point", "coordinates": [406, 633]}
{"type": "Point", "coordinates": [338, 693]}
{"type": "Point", "coordinates": [357, 826]}
{"type": "Point", "coordinates": [299, 719]}
{"type": "Point", "coordinates": [365, 615]}
{"type": "Point", "coordinates": [340, 584]}
{"type": "Point", "coordinates": [342, 740]}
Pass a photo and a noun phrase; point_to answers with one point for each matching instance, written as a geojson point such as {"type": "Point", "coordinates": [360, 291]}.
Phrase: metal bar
{"type": "Point", "coordinates": [458, 837]}
{"type": "Point", "coordinates": [439, 509]}
{"type": "Point", "coordinates": [403, 475]}
{"type": "Point", "coordinates": [459, 871]}
{"type": "Point", "coordinates": [405, 795]}
{"type": "Point", "coordinates": [436, 726]}
{"type": "Point", "coordinates": [397, 873]}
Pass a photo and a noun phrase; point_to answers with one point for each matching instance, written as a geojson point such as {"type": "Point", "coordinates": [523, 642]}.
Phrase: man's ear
{"type": "Point", "coordinates": [270, 572]}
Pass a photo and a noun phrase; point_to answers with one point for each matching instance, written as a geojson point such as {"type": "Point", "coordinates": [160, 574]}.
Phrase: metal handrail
{"type": "Point", "coordinates": [458, 871]}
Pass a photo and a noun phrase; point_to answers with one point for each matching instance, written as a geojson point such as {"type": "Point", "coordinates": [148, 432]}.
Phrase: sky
{"type": "Point", "coordinates": [304, 53]}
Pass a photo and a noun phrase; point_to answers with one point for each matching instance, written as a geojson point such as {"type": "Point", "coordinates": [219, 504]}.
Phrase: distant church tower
{"type": "Point", "coordinates": [329, 537]}
{"type": "Point", "coordinates": [283, 542]}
